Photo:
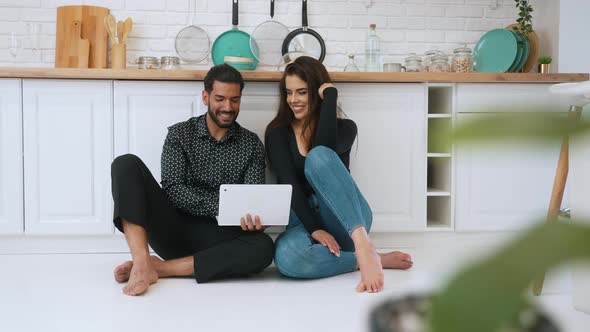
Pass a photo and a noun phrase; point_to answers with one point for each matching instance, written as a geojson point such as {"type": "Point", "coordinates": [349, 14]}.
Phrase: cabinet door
{"type": "Point", "coordinates": [68, 147]}
{"type": "Point", "coordinates": [11, 159]}
{"type": "Point", "coordinates": [260, 103]}
{"type": "Point", "coordinates": [505, 185]}
{"type": "Point", "coordinates": [388, 159]}
{"type": "Point", "coordinates": [145, 110]}
{"type": "Point", "coordinates": [579, 184]}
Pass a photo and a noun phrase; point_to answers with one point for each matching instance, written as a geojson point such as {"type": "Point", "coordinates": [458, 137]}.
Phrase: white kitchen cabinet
{"type": "Point", "coordinates": [68, 148]}
{"type": "Point", "coordinates": [145, 110]}
{"type": "Point", "coordinates": [388, 159]}
{"type": "Point", "coordinates": [505, 185]}
{"type": "Point", "coordinates": [11, 167]}
{"type": "Point", "coordinates": [579, 185]}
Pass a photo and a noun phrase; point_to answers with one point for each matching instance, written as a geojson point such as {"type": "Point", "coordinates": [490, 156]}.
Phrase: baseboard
{"type": "Point", "coordinates": [116, 243]}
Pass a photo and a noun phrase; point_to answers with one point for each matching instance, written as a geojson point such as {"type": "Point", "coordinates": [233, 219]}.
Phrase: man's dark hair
{"type": "Point", "coordinates": [223, 73]}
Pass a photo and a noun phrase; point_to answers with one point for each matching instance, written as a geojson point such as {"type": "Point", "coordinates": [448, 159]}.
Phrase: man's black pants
{"type": "Point", "coordinates": [218, 252]}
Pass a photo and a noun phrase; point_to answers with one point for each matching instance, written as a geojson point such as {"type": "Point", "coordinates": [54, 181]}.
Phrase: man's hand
{"type": "Point", "coordinates": [323, 87]}
{"type": "Point", "coordinates": [327, 240]}
{"type": "Point", "coordinates": [253, 226]}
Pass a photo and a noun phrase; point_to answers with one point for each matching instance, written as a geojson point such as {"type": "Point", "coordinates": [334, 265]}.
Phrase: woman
{"type": "Point", "coordinates": [308, 146]}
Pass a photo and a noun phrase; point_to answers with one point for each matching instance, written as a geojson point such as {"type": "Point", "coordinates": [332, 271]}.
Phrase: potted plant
{"type": "Point", "coordinates": [524, 20]}
{"type": "Point", "coordinates": [489, 295]}
{"type": "Point", "coordinates": [544, 63]}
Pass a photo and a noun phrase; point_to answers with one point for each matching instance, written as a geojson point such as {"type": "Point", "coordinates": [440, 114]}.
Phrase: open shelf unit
{"type": "Point", "coordinates": [439, 168]}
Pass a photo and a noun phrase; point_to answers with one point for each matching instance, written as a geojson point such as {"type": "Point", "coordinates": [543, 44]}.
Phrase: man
{"type": "Point", "coordinates": [178, 220]}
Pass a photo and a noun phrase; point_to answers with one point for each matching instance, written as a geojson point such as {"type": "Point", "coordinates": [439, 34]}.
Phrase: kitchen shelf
{"type": "Point", "coordinates": [439, 116]}
{"type": "Point", "coordinates": [438, 212]}
{"type": "Point", "coordinates": [275, 76]}
{"type": "Point", "coordinates": [439, 161]}
{"type": "Point", "coordinates": [440, 100]}
{"type": "Point", "coordinates": [439, 133]}
{"type": "Point", "coordinates": [438, 155]}
{"type": "Point", "coordinates": [434, 192]}
{"type": "Point", "coordinates": [438, 174]}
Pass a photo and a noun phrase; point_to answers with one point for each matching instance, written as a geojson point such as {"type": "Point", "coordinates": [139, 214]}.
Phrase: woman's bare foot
{"type": "Point", "coordinates": [122, 271]}
{"type": "Point", "coordinates": [141, 276]}
{"type": "Point", "coordinates": [396, 260]}
{"type": "Point", "coordinates": [369, 263]}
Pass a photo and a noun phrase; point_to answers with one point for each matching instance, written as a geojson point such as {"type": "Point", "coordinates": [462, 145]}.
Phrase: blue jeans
{"type": "Point", "coordinates": [342, 208]}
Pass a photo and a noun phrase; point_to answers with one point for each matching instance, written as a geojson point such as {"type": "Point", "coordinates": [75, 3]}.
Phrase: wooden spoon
{"type": "Point", "coordinates": [120, 29]}
{"type": "Point", "coordinates": [127, 29]}
{"type": "Point", "coordinates": [111, 26]}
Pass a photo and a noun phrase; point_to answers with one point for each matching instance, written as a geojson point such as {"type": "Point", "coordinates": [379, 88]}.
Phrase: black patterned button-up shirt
{"type": "Point", "coordinates": [194, 164]}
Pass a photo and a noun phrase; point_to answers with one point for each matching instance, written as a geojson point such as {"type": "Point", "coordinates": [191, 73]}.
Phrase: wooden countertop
{"type": "Point", "coordinates": [268, 76]}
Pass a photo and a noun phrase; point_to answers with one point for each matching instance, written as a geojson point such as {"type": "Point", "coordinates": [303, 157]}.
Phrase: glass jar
{"type": "Point", "coordinates": [169, 62]}
{"type": "Point", "coordinates": [440, 64]}
{"type": "Point", "coordinates": [351, 65]}
{"type": "Point", "coordinates": [462, 60]}
{"type": "Point", "coordinates": [413, 63]}
{"type": "Point", "coordinates": [148, 62]}
{"type": "Point", "coordinates": [428, 59]}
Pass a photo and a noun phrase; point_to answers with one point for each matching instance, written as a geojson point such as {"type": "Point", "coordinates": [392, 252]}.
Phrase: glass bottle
{"type": "Point", "coordinates": [373, 51]}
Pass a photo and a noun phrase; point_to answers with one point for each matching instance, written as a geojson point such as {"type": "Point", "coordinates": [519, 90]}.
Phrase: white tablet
{"type": "Point", "coordinates": [271, 202]}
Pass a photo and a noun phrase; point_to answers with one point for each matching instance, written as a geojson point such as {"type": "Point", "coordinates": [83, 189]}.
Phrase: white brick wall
{"type": "Point", "coordinates": [405, 26]}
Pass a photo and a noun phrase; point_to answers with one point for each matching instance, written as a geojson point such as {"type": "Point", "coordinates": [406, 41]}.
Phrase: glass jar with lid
{"type": "Point", "coordinates": [462, 60]}
{"type": "Point", "coordinates": [428, 59]}
{"type": "Point", "coordinates": [148, 62]}
{"type": "Point", "coordinates": [440, 64]}
{"type": "Point", "coordinates": [169, 62]}
{"type": "Point", "coordinates": [413, 63]}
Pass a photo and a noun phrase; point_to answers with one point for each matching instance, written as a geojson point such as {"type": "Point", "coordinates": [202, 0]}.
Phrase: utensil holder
{"type": "Point", "coordinates": [119, 56]}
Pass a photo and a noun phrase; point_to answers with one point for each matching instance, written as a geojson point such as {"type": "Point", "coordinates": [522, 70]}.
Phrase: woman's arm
{"type": "Point", "coordinates": [282, 165]}
{"type": "Point", "coordinates": [327, 130]}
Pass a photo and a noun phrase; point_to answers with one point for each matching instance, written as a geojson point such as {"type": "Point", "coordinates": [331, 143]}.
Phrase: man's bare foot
{"type": "Point", "coordinates": [396, 260]}
{"type": "Point", "coordinates": [371, 270]}
{"type": "Point", "coordinates": [122, 271]}
{"type": "Point", "coordinates": [142, 275]}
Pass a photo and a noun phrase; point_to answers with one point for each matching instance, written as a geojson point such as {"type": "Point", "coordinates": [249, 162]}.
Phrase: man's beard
{"type": "Point", "coordinates": [218, 122]}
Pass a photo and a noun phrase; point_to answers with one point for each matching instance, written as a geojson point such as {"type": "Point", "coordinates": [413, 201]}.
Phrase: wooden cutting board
{"type": "Point", "coordinates": [78, 48]}
{"type": "Point", "coordinates": [92, 29]}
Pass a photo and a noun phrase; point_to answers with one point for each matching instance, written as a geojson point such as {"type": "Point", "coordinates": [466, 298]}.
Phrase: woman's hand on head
{"type": "Point", "coordinates": [323, 87]}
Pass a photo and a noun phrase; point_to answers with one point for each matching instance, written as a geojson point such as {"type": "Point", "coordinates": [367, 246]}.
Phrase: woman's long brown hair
{"type": "Point", "coordinates": [314, 74]}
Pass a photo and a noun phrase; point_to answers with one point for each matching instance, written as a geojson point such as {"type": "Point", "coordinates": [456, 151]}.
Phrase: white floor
{"type": "Point", "coordinates": [76, 292]}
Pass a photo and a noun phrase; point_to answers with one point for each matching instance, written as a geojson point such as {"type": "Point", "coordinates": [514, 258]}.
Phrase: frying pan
{"type": "Point", "coordinates": [234, 43]}
{"type": "Point", "coordinates": [305, 40]}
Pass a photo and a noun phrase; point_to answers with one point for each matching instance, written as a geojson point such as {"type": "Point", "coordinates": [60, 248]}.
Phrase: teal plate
{"type": "Point", "coordinates": [495, 51]}
{"type": "Point", "coordinates": [527, 50]}
{"type": "Point", "coordinates": [519, 53]}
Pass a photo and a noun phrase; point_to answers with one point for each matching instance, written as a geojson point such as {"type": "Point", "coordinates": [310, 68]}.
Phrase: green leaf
{"type": "Point", "coordinates": [489, 294]}
{"type": "Point", "coordinates": [518, 125]}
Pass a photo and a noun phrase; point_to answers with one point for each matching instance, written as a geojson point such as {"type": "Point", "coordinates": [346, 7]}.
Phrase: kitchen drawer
{"type": "Point", "coordinates": [485, 98]}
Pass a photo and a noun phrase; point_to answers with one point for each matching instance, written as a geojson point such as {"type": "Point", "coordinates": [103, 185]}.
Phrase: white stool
{"type": "Point", "coordinates": [578, 95]}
